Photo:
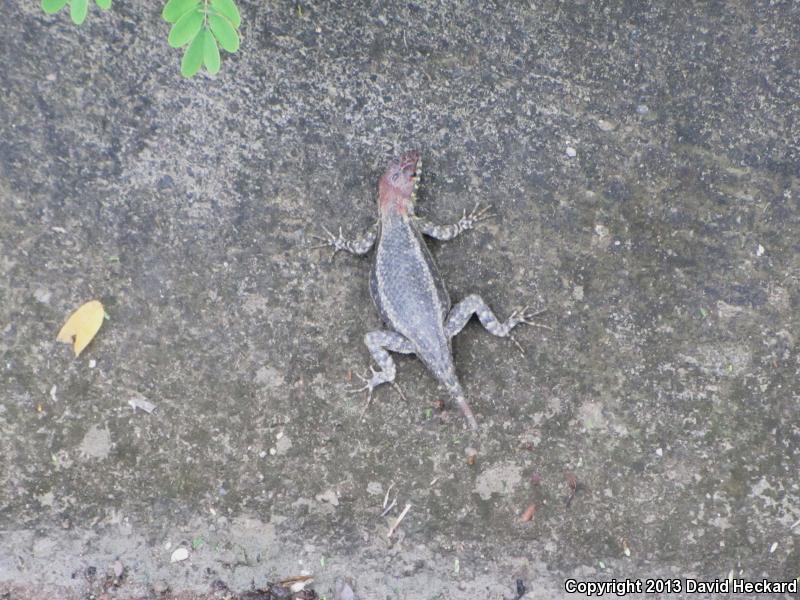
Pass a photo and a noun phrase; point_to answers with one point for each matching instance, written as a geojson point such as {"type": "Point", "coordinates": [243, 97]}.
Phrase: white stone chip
{"type": "Point", "coordinates": [179, 555]}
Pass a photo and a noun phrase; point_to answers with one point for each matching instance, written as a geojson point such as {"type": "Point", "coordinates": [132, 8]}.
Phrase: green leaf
{"type": "Point", "coordinates": [104, 4]}
{"type": "Point", "coordinates": [226, 35]}
{"type": "Point", "coordinates": [78, 10]}
{"type": "Point", "coordinates": [53, 6]}
{"type": "Point", "coordinates": [175, 9]}
{"type": "Point", "coordinates": [186, 29]}
{"type": "Point", "coordinates": [210, 52]}
{"type": "Point", "coordinates": [193, 57]}
{"type": "Point", "coordinates": [227, 8]}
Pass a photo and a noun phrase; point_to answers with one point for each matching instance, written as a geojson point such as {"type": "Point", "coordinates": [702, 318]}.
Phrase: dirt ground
{"type": "Point", "coordinates": [643, 161]}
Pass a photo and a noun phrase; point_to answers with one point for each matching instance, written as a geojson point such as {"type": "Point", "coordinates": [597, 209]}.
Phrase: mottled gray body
{"type": "Point", "coordinates": [408, 290]}
{"type": "Point", "coordinates": [411, 296]}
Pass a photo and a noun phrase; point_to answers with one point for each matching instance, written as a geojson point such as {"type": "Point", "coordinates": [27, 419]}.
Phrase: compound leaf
{"type": "Point", "coordinates": [224, 32]}
{"type": "Point", "coordinates": [227, 8]}
{"type": "Point", "coordinates": [193, 57]}
{"type": "Point", "coordinates": [175, 9]}
{"type": "Point", "coordinates": [186, 29]}
{"type": "Point", "coordinates": [53, 6]}
{"type": "Point", "coordinates": [78, 10]}
{"type": "Point", "coordinates": [210, 52]}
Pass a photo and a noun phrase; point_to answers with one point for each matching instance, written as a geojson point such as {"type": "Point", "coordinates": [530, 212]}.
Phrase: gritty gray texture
{"type": "Point", "coordinates": [643, 161]}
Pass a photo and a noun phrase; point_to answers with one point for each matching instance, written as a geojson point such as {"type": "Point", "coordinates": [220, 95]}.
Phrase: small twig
{"type": "Point", "coordinates": [516, 343]}
{"type": "Point", "coordinates": [295, 579]}
{"type": "Point", "coordinates": [435, 479]}
{"type": "Point", "coordinates": [386, 497]}
{"type": "Point", "coordinates": [390, 507]}
{"type": "Point", "coordinates": [796, 523]}
{"type": "Point", "coordinates": [399, 519]}
{"type": "Point", "coordinates": [399, 391]}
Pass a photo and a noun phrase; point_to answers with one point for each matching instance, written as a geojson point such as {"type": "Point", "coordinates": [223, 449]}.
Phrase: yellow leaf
{"type": "Point", "coordinates": [82, 326]}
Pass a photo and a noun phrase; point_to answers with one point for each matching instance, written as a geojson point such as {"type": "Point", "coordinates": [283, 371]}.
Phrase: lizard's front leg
{"type": "Point", "coordinates": [378, 342]}
{"type": "Point", "coordinates": [359, 245]}
{"type": "Point", "coordinates": [448, 232]}
{"type": "Point", "coordinates": [474, 305]}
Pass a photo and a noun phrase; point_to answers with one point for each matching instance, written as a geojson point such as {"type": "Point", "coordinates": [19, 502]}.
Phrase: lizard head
{"type": "Point", "coordinates": [398, 185]}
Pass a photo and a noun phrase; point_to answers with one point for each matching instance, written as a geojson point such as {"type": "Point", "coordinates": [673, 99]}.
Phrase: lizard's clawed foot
{"type": "Point", "coordinates": [526, 315]}
{"type": "Point", "coordinates": [478, 214]}
{"type": "Point", "coordinates": [370, 383]}
{"type": "Point", "coordinates": [330, 241]}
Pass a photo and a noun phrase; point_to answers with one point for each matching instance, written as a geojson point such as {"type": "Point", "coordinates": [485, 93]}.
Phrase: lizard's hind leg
{"type": "Point", "coordinates": [378, 342]}
{"type": "Point", "coordinates": [474, 305]}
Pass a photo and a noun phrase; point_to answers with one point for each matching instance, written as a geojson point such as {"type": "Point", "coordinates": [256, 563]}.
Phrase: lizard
{"type": "Point", "coordinates": [408, 290]}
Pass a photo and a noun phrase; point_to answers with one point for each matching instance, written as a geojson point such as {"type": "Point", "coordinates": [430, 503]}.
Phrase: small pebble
{"type": "Point", "coordinates": [179, 555]}
{"type": "Point", "coordinates": [42, 295]}
{"type": "Point", "coordinates": [571, 152]}
{"type": "Point", "coordinates": [642, 109]}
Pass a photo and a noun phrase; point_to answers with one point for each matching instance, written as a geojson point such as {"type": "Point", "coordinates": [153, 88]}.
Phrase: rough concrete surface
{"type": "Point", "coordinates": [643, 162]}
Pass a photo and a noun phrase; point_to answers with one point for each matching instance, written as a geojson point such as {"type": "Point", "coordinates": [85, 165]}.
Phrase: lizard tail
{"type": "Point", "coordinates": [458, 397]}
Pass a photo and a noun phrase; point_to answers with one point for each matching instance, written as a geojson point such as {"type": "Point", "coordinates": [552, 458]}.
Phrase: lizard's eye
{"type": "Point", "coordinates": [394, 177]}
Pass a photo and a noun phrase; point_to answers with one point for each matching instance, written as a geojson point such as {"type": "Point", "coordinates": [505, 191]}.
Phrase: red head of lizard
{"type": "Point", "coordinates": [397, 186]}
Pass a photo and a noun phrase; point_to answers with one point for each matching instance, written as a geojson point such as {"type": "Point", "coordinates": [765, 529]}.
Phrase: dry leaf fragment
{"type": "Point", "coordinates": [528, 514]}
{"type": "Point", "coordinates": [626, 549]}
{"type": "Point", "coordinates": [573, 484]}
{"type": "Point", "coordinates": [471, 454]}
{"type": "Point", "coordinates": [82, 326]}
